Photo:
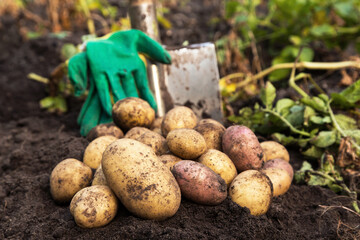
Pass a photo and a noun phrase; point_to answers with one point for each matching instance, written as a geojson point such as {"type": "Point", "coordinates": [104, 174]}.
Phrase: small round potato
{"type": "Point", "coordinates": [178, 117]}
{"type": "Point", "coordinates": [199, 183]}
{"type": "Point", "coordinates": [132, 112]}
{"type": "Point", "coordinates": [136, 132]}
{"type": "Point", "coordinates": [186, 143]}
{"type": "Point", "coordinates": [94, 206]}
{"type": "Point", "coordinates": [67, 178]}
{"type": "Point", "coordinates": [104, 129]}
{"type": "Point", "coordinates": [155, 141]}
{"type": "Point", "coordinates": [212, 132]}
{"type": "Point", "coordinates": [252, 189]}
{"type": "Point", "coordinates": [280, 163]}
{"type": "Point", "coordinates": [274, 150]}
{"type": "Point", "coordinates": [93, 152]}
{"type": "Point", "coordinates": [280, 179]}
{"type": "Point", "coordinates": [145, 185]}
{"type": "Point", "coordinates": [220, 163]}
{"type": "Point", "coordinates": [99, 177]}
{"type": "Point", "coordinates": [169, 160]}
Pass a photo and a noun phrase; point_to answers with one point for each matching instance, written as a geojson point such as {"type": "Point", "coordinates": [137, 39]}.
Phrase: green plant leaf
{"type": "Point", "coordinates": [296, 116]}
{"type": "Point", "coordinates": [345, 122]}
{"type": "Point", "coordinates": [320, 120]}
{"type": "Point", "coordinates": [324, 139]}
{"type": "Point", "coordinates": [268, 95]}
{"type": "Point", "coordinates": [352, 93]}
{"type": "Point", "coordinates": [324, 30]}
{"type": "Point", "coordinates": [355, 134]}
{"type": "Point", "coordinates": [306, 55]}
{"type": "Point", "coordinates": [47, 102]}
{"type": "Point", "coordinates": [283, 139]}
{"type": "Point", "coordinates": [68, 50]}
{"type": "Point", "coordinates": [316, 103]}
{"type": "Point", "coordinates": [299, 175]}
{"type": "Point", "coordinates": [279, 74]}
{"type": "Point", "coordinates": [313, 152]}
{"type": "Point", "coordinates": [283, 106]}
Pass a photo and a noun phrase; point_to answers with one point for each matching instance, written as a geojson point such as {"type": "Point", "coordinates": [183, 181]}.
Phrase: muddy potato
{"type": "Point", "coordinates": [136, 132]}
{"type": "Point", "coordinates": [280, 163]}
{"type": "Point", "coordinates": [220, 163]}
{"type": "Point", "coordinates": [169, 160]}
{"type": "Point", "coordinates": [155, 141]}
{"type": "Point", "coordinates": [178, 117]}
{"type": "Point", "coordinates": [94, 206]}
{"type": "Point", "coordinates": [105, 129]}
{"type": "Point", "coordinates": [67, 178]}
{"type": "Point", "coordinates": [252, 189]}
{"type": "Point", "coordinates": [280, 180]}
{"type": "Point", "coordinates": [243, 148]}
{"type": "Point", "coordinates": [199, 183]}
{"type": "Point", "coordinates": [212, 132]}
{"type": "Point", "coordinates": [186, 143]}
{"type": "Point", "coordinates": [99, 177]}
{"type": "Point", "coordinates": [145, 186]}
{"type": "Point", "coordinates": [274, 150]}
{"type": "Point", "coordinates": [132, 112]}
{"type": "Point", "coordinates": [156, 125]}
{"type": "Point", "coordinates": [93, 152]}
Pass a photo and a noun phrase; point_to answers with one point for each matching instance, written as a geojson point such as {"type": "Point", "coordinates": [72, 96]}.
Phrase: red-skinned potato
{"type": "Point", "coordinates": [199, 183]}
{"type": "Point", "coordinates": [243, 148]}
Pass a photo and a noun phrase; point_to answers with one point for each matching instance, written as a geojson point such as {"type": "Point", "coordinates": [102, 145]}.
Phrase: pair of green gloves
{"type": "Point", "coordinates": [113, 70]}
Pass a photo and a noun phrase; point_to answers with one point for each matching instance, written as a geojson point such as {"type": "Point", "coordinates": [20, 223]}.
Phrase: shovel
{"type": "Point", "coordinates": [191, 80]}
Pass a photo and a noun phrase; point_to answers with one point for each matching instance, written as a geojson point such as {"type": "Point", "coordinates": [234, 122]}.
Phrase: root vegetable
{"type": "Point", "coordinates": [274, 150]}
{"type": "Point", "coordinates": [178, 117]}
{"type": "Point", "coordinates": [93, 152]}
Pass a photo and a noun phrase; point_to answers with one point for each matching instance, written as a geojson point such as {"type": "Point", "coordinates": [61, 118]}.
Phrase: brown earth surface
{"type": "Point", "coordinates": [33, 141]}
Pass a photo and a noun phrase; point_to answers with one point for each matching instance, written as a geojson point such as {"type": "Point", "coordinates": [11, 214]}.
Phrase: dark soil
{"type": "Point", "coordinates": [33, 141]}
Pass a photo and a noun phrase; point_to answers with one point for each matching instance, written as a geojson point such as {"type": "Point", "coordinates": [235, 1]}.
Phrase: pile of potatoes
{"type": "Point", "coordinates": [148, 164]}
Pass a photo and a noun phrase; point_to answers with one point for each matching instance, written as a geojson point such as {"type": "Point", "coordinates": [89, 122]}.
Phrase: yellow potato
{"type": "Point", "coordinates": [178, 117]}
{"type": "Point", "coordinates": [186, 143]}
{"type": "Point", "coordinates": [280, 179]}
{"type": "Point", "coordinates": [274, 150]}
{"type": "Point", "coordinates": [212, 132]}
{"type": "Point", "coordinates": [155, 141]}
{"type": "Point", "coordinates": [99, 177]}
{"type": "Point", "coordinates": [136, 132]}
{"type": "Point", "coordinates": [145, 185]}
{"type": "Point", "coordinates": [93, 152]}
{"type": "Point", "coordinates": [252, 189]}
{"type": "Point", "coordinates": [104, 129]}
{"type": "Point", "coordinates": [132, 112]}
{"type": "Point", "coordinates": [220, 163]}
{"type": "Point", "coordinates": [94, 206]}
{"type": "Point", "coordinates": [169, 160]}
{"type": "Point", "coordinates": [67, 178]}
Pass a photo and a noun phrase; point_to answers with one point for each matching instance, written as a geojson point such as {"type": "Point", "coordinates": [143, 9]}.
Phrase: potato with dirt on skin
{"type": "Point", "coordinates": [178, 117]}
{"type": "Point", "coordinates": [212, 131]}
{"type": "Point", "coordinates": [280, 180]}
{"type": "Point", "coordinates": [280, 163]}
{"type": "Point", "coordinates": [274, 150]}
{"type": "Point", "coordinates": [136, 132]}
{"type": "Point", "coordinates": [186, 143]}
{"type": "Point", "coordinates": [252, 189]}
{"type": "Point", "coordinates": [220, 163]}
{"type": "Point", "coordinates": [93, 152]}
{"type": "Point", "coordinates": [199, 183]}
{"type": "Point", "coordinates": [144, 185]}
{"type": "Point", "coordinates": [67, 178]}
{"type": "Point", "coordinates": [156, 125]}
{"type": "Point", "coordinates": [104, 129]}
{"type": "Point", "coordinates": [169, 160]}
{"type": "Point", "coordinates": [155, 141]}
{"type": "Point", "coordinates": [243, 148]}
{"type": "Point", "coordinates": [132, 112]}
{"type": "Point", "coordinates": [94, 206]}
{"type": "Point", "coordinates": [99, 177]}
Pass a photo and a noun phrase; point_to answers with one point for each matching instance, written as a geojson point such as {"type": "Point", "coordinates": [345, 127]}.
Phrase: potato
{"type": "Point", "coordinates": [99, 177]}
{"type": "Point", "coordinates": [199, 183]}
{"type": "Point", "coordinates": [243, 148]}
{"type": "Point", "coordinates": [93, 152]}
{"type": "Point", "coordinates": [220, 163]}
{"type": "Point", "coordinates": [104, 129]}
{"type": "Point", "coordinates": [186, 143]}
{"type": "Point", "coordinates": [132, 112]}
{"type": "Point", "coordinates": [274, 150]}
{"type": "Point", "coordinates": [252, 189]}
{"type": "Point", "coordinates": [136, 132]}
{"type": "Point", "coordinates": [280, 163]}
{"type": "Point", "coordinates": [67, 178]}
{"type": "Point", "coordinates": [212, 132]}
{"type": "Point", "coordinates": [169, 160]}
{"type": "Point", "coordinates": [140, 180]}
{"type": "Point", "coordinates": [156, 125]}
{"type": "Point", "coordinates": [94, 206]}
{"type": "Point", "coordinates": [155, 141]}
{"type": "Point", "coordinates": [280, 180]}
{"type": "Point", "coordinates": [212, 121]}
{"type": "Point", "coordinates": [178, 117]}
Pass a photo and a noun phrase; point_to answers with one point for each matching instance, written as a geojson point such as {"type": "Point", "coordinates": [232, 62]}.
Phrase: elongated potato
{"type": "Point", "coordinates": [199, 183]}
{"type": "Point", "coordinates": [274, 150]}
{"type": "Point", "coordinates": [243, 148]}
{"type": "Point", "coordinates": [140, 180]}
{"type": "Point", "coordinates": [93, 152]}
{"type": "Point", "coordinates": [220, 163]}
{"type": "Point", "coordinates": [252, 189]}
{"type": "Point", "coordinates": [94, 206]}
{"type": "Point", "coordinates": [212, 131]}
{"type": "Point", "coordinates": [178, 117]}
